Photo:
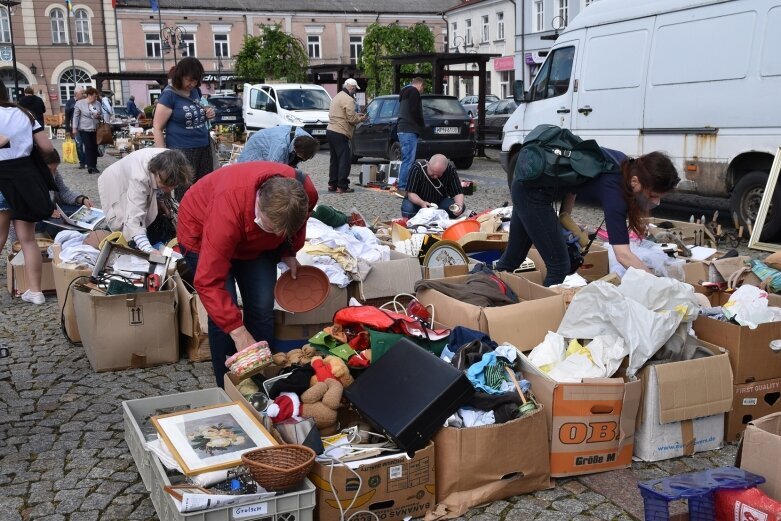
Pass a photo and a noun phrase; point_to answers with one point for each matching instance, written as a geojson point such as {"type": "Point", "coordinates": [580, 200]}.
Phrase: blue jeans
{"type": "Point", "coordinates": [409, 209]}
{"type": "Point", "coordinates": [256, 279]}
{"type": "Point", "coordinates": [409, 147]}
{"type": "Point", "coordinates": [534, 221]}
{"type": "Point", "coordinates": [80, 150]}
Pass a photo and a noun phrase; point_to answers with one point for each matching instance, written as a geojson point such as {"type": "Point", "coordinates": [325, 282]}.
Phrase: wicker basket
{"type": "Point", "coordinates": [281, 467]}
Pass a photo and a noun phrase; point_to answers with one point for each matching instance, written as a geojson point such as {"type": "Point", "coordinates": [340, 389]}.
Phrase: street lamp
{"type": "Point", "coordinates": [219, 71]}
{"type": "Point", "coordinates": [172, 39]}
{"type": "Point", "coordinates": [8, 5]}
{"type": "Point", "coordinates": [34, 69]}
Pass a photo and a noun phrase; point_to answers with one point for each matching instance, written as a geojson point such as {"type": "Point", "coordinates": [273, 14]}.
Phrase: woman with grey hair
{"type": "Point", "coordinates": [136, 195]}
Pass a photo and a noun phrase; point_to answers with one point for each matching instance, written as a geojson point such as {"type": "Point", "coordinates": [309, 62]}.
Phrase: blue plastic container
{"type": "Point", "coordinates": [697, 488]}
{"type": "Point", "coordinates": [488, 256]}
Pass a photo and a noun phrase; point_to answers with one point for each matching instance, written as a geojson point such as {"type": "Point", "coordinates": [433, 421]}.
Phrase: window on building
{"type": "Point", "coordinates": [539, 16]}
{"type": "Point", "coordinates": [506, 80]}
{"type": "Point", "coordinates": [356, 48]}
{"type": "Point", "coordinates": [469, 86]}
{"type": "Point", "coordinates": [468, 33]}
{"type": "Point", "coordinates": [57, 19]}
{"type": "Point", "coordinates": [484, 31]}
{"type": "Point", "coordinates": [488, 83]}
{"type": "Point", "coordinates": [7, 77]}
{"type": "Point", "coordinates": [83, 32]}
{"type": "Point", "coordinates": [221, 46]}
{"type": "Point", "coordinates": [313, 45]}
{"type": "Point", "coordinates": [500, 25]}
{"type": "Point", "coordinates": [5, 27]}
{"type": "Point", "coordinates": [562, 13]}
{"type": "Point", "coordinates": [589, 2]}
{"type": "Point", "coordinates": [152, 45]}
{"type": "Point", "coordinates": [188, 41]}
{"type": "Point", "coordinates": [70, 82]}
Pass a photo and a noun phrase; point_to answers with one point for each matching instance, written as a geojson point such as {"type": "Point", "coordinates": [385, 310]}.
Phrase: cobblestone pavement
{"type": "Point", "coordinates": [61, 428]}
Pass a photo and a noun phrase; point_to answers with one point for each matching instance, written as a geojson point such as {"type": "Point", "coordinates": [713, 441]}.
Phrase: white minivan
{"type": "Point", "coordinates": [697, 79]}
{"type": "Point", "coordinates": [298, 104]}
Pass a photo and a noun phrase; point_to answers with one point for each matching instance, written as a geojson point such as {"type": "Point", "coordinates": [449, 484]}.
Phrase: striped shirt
{"type": "Point", "coordinates": [433, 190]}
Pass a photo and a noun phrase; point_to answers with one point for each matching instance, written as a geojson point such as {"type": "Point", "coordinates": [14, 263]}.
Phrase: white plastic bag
{"type": "Point", "coordinates": [749, 307]}
{"type": "Point", "coordinates": [652, 256]}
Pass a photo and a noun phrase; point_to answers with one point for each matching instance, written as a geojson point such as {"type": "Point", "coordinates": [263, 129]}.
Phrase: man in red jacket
{"type": "Point", "coordinates": [235, 224]}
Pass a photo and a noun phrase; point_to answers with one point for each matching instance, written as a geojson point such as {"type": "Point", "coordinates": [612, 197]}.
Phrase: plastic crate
{"type": "Point", "coordinates": [137, 414]}
{"type": "Point", "coordinates": [697, 488]}
{"type": "Point", "coordinates": [298, 505]}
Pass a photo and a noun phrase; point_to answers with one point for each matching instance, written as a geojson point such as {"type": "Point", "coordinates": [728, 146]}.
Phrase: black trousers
{"type": "Point", "coordinates": [90, 141]}
{"type": "Point", "coordinates": [339, 172]}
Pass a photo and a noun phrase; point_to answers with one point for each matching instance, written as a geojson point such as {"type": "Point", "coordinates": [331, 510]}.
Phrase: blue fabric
{"type": "Point", "coordinates": [607, 190]}
{"type": "Point", "coordinates": [256, 279]}
{"type": "Point", "coordinates": [4, 206]}
{"type": "Point", "coordinates": [132, 109]}
{"type": "Point", "coordinates": [80, 150]}
{"type": "Point", "coordinates": [409, 147]}
{"type": "Point", "coordinates": [460, 336]}
{"type": "Point", "coordinates": [187, 127]}
{"type": "Point", "coordinates": [476, 373]}
{"type": "Point", "coordinates": [534, 221]}
{"type": "Point", "coordinates": [270, 144]}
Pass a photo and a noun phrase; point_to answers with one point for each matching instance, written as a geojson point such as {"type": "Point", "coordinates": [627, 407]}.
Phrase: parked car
{"type": "Point", "coordinates": [470, 103]}
{"type": "Point", "coordinates": [228, 108]}
{"type": "Point", "coordinates": [300, 104]}
{"type": "Point", "coordinates": [449, 130]}
{"type": "Point", "coordinates": [496, 115]}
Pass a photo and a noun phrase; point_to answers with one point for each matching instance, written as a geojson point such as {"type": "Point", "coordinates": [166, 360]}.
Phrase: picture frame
{"type": "Point", "coordinates": [772, 180]}
{"type": "Point", "coordinates": [176, 491]}
{"type": "Point", "coordinates": [211, 438]}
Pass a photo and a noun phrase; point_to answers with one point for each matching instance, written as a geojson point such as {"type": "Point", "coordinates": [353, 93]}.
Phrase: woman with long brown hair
{"type": "Point", "coordinates": [628, 192]}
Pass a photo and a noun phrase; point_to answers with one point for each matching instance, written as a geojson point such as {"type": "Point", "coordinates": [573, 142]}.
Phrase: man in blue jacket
{"type": "Point", "coordinates": [283, 144]}
{"type": "Point", "coordinates": [410, 125]}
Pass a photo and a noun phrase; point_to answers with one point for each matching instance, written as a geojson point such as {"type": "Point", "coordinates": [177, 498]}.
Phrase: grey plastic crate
{"type": "Point", "coordinates": [137, 413]}
{"type": "Point", "coordinates": [298, 505]}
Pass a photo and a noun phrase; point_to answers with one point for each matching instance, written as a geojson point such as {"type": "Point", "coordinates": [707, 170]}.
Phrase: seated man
{"type": "Point", "coordinates": [283, 144]}
{"type": "Point", "coordinates": [433, 183]}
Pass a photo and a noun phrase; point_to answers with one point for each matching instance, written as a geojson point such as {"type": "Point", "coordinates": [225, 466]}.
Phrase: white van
{"type": "Point", "coordinates": [298, 104]}
{"type": "Point", "coordinates": [697, 79]}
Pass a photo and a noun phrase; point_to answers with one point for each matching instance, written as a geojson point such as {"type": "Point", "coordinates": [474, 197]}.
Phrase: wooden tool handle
{"type": "Point", "coordinates": [515, 381]}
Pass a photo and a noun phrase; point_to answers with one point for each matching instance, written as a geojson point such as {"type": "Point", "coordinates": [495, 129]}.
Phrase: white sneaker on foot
{"type": "Point", "coordinates": [33, 297]}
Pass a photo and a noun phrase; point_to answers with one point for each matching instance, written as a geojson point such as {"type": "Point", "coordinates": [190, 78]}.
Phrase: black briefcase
{"type": "Point", "coordinates": [409, 393]}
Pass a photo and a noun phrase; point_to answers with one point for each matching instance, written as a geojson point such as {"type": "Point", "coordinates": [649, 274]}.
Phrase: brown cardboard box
{"type": "Point", "coordinates": [324, 313]}
{"type": "Point", "coordinates": [596, 264]}
{"type": "Point", "coordinates": [591, 423]}
{"type": "Point", "coordinates": [62, 279]}
{"type": "Point", "coordinates": [392, 487]}
{"type": "Point", "coordinates": [128, 331]}
{"type": "Point", "coordinates": [683, 407]}
{"type": "Point", "coordinates": [193, 322]}
{"type": "Point", "coordinates": [752, 401]}
{"type": "Point", "coordinates": [524, 324]}
{"type": "Point", "coordinates": [388, 279]}
{"type": "Point", "coordinates": [760, 452]}
{"type": "Point", "coordinates": [293, 336]}
{"type": "Point", "coordinates": [17, 278]}
{"type": "Point", "coordinates": [477, 465]}
{"type": "Point", "coordinates": [690, 231]}
{"type": "Point", "coordinates": [749, 349]}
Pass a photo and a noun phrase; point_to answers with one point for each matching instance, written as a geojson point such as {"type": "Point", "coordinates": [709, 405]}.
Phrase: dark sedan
{"type": "Point", "coordinates": [449, 131]}
{"type": "Point", "coordinates": [496, 115]}
{"type": "Point", "coordinates": [228, 109]}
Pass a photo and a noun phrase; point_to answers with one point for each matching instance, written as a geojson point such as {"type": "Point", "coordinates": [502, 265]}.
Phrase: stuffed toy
{"type": "Point", "coordinates": [286, 405]}
{"type": "Point", "coordinates": [321, 402]}
{"type": "Point", "coordinates": [295, 356]}
{"type": "Point", "coordinates": [331, 367]}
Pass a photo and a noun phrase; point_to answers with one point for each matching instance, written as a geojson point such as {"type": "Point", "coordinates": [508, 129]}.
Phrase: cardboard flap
{"type": "Point", "coordinates": [694, 388]}
{"type": "Point", "coordinates": [388, 279]}
{"type": "Point", "coordinates": [186, 325]}
{"type": "Point", "coordinates": [633, 392]}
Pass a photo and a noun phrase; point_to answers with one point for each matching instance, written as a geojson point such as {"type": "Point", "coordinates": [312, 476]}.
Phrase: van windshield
{"type": "Point", "coordinates": [304, 99]}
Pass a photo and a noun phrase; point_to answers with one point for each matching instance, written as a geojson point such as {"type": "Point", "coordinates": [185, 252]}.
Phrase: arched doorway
{"type": "Point", "coordinates": [67, 82]}
{"type": "Point", "coordinates": [7, 75]}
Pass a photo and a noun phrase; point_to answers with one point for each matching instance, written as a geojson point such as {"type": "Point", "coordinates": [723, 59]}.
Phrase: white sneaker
{"type": "Point", "coordinates": [33, 297]}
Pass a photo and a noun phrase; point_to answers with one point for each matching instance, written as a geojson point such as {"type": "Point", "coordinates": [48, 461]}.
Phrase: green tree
{"type": "Point", "coordinates": [272, 55]}
{"type": "Point", "coordinates": [382, 41]}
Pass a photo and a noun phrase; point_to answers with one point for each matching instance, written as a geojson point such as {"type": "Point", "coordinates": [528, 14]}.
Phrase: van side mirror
{"type": "Point", "coordinates": [519, 93]}
{"type": "Point", "coordinates": [271, 106]}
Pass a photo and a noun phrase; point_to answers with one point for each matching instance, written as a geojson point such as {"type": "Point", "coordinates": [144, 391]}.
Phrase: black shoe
{"type": "Point", "coordinates": [82, 167]}
{"type": "Point", "coordinates": [332, 188]}
{"type": "Point", "coordinates": [95, 171]}
{"type": "Point", "coordinates": [345, 190]}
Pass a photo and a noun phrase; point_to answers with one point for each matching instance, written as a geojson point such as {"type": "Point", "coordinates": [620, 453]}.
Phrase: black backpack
{"type": "Point", "coordinates": [554, 157]}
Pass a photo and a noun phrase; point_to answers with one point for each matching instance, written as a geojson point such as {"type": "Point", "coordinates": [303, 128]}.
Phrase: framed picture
{"type": "Point", "coordinates": [772, 181]}
{"type": "Point", "coordinates": [211, 438]}
{"type": "Point", "coordinates": [177, 490]}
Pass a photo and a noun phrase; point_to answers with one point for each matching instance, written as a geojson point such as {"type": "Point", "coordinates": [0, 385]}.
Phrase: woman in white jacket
{"type": "Point", "coordinates": [135, 193]}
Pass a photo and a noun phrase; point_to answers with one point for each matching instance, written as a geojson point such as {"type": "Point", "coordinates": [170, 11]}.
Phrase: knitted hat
{"type": "Point", "coordinates": [286, 405]}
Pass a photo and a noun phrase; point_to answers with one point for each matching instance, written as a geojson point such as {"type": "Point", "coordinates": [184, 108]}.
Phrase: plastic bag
{"type": "Point", "coordinates": [749, 307]}
{"type": "Point", "coordinates": [600, 358]}
{"type": "Point", "coordinates": [69, 154]}
{"type": "Point", "coordinates": [652, 256]}
{"type": "Point", "coordinates": [746, 505]}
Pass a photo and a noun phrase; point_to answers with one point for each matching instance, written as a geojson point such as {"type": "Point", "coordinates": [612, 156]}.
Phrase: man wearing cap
{"type": "Point", "coordinates": [342, 121]}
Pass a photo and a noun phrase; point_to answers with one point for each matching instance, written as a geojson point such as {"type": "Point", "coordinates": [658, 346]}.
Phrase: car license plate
{"type": "Point", "coordinates": [446, 130]}
{"type": "Point", "coordinates": [229, 118]}
{"type": "Point", "coordinates": [318, 132]}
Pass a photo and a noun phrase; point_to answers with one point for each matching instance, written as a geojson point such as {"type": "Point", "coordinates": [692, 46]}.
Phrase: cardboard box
{"type": "Point", "coordinates": [471, 471]}
{"type": "Point", "coordinates": [523, 325]}
{"type": "Point", "coordinates": [749, 349]}
{"type": "Point", "coordinates": [193, 322]}
{"type": "Point", "coordinates": [750, 402]}
{"type": "Point", "coordinates": [596, 264]}
{"type": "Point", "coordinates": [17, 278]}
{"type": "Point", "coordinates": [388, 279]}
{"type": "Point", "coordinates": [128, 331]}
{"type": "Point", "coordinates": [760, 452]}
{"type": "Point", "coordinates": [62, 280]}
{"type": "Point", "coordinates": [690, 231]}
{"type": "Point", "coordinates": [392, 487]}
{"type": "Point", "coordinates": [591, 423]}
{"type": "Point", "coordinates": [683, 407]}
{"type": "Point", "coordinates": [336, 300]}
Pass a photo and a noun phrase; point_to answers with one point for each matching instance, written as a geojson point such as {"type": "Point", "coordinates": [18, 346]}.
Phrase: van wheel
{"type": "Point", "coordinates": [746, 198]}
{"type": "Point", "coordinates": [394, 152]}
{"type": "Point", "coordinates": [511, 172]}
{"type": "Point", "coordinates": [463, 163]}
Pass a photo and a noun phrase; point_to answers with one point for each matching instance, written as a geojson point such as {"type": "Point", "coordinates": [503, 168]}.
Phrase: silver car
{"type": "Point", "coordinates": [470, 103]}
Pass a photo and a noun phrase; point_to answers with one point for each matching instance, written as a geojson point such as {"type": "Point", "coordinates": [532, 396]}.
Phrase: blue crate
{"type": "Point", "coordinates": [696, 488]}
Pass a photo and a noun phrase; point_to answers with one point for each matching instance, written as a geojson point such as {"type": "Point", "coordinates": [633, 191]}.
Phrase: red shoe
{"type": "Point", "coordinates": [345, 190]}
